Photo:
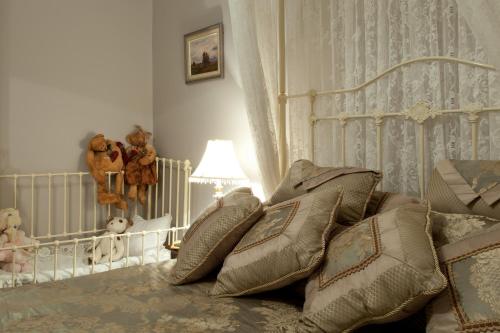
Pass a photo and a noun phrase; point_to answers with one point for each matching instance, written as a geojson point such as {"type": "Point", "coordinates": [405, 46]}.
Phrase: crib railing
{"type": "Point", "coordinates": [59, 225]}
{"type": "Point", "coordinates": [33, 249]}
{"type": "Point", "coordinates": [172, 195]}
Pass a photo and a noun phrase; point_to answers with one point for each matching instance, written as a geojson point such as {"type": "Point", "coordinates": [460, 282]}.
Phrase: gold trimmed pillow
{"type": "Point", "coordinates": [471, 303]}
{"type": "Point", "coordinates": [214, 234]}
{"type": "Point", "coordinates": [466, 187]}
{"type": "Point", "coordinates": [450, 228]}
{"type": "Point", "coordinates": [384, 201]}
{"type": "Point", "coordinates": [303, 177]}
{"type": "Point", "coordinates": [379, 270]}
{"type": "Point", "coordinates": [287, 244]}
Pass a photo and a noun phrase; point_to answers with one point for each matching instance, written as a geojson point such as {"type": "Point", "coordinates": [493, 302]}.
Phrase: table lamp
{"type": "Point", "coordinates": [219, 166]}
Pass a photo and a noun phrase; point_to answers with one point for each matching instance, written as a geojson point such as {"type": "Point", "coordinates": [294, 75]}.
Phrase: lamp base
{"type": "Point", "coordinates": [218, 191]}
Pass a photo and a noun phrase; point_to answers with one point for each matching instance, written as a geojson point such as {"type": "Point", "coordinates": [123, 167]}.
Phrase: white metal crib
{"type": "Point", "coordinates": [67, 229]}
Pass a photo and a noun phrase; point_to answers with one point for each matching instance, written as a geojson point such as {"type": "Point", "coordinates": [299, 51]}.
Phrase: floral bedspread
{"type": "Point", "coordinates": [138, 299]}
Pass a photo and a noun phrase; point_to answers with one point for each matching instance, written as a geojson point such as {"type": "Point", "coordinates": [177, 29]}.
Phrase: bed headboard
{"type": "Point", "coordinates": [420, 113]}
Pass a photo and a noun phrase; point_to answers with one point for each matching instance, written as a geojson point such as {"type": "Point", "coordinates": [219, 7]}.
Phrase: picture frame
{"type": "Point", "coordinates": [204, 53]}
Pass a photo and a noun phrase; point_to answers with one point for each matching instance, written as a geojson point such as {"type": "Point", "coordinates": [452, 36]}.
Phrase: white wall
{"type": "Point", "coordinates": [69, 68]}
{"type": "Point", "coordinates": [186, 116]}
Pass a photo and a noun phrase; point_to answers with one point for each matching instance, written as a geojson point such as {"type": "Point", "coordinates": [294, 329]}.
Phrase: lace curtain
{"type": "Point", "coordinates": [254, 32]}
{"type": "Point", "coordinates": [334, 44]}
{"type": "Point", "coordinates": [483, 18]}
{"type": "Point", "coordinates": [339, 44]}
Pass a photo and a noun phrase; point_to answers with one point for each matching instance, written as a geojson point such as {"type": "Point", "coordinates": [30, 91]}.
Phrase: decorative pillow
{"type": "Point", "coordinates": [450, 228]}
{"type": "Point", "coordinates": [471, 302]}
{"type": "Point", "coordinates": [384, 201]}
{"type": "Point", "coordinates": [246, 190]}
{"type": "Point", "coordinates": [150, 240]}
{"type": "Point", "coordinates": [466, 187]}
{"type": "Point", "coordinates": [287, 244]}
{"type": "Point", "coordinates": [380, 270]}
{"type": "Point", "coordinates": [214, 234]}
{"type": "Point", "coordinates": [303, 176]}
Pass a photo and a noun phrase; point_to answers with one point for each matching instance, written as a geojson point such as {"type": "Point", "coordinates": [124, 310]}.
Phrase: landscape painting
{"type": "Point", "coordinates": [204, 58]}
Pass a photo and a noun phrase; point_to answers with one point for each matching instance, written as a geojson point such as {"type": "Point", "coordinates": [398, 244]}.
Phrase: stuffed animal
{"type": "Point", "coordinates": [116, 226]}
{"type": "Point", "coordinates": [140, 170]}
{"type": "Point", "coordinates": [104, 155]}
{"type": "Point", "coordinates": [11, 236]}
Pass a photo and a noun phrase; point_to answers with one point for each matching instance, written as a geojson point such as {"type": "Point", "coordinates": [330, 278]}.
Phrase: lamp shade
{"type": "Point", "coordinates": [219, 165]}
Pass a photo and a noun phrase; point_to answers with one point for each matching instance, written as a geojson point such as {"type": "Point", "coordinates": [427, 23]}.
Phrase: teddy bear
{"type": "Point", "coordinates": [104, 155]}
{"type": "Point", "coordinates": [140, 169]}
{"type": "Point", "coordinates": [115, 226]}
{"type": "Point", "coordinates": [11, 236]}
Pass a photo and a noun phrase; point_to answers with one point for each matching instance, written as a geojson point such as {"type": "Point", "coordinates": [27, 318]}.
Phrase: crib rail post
{"type": "Point", "coordinates": [80, 201]}
{"type": "Point", "coordinates": [75, 246]}
{"type": "Point", "coordinates": [35, 263]}
{"type": "Point", "coordinates": [158, 246]}
{"type": "Point", "coordinates": [143, 235]}
{"type": "Point", "coordinates": [127, 251]}
{"type": "Point", "coordinates": [93, 254]}
{"type": "Point", "coordinates": [49, 218]}
{"type": "Point", "coordinates": [111, 239]}
{"type": "Point", "coordinates": [56, 253]}
{"type": "Point", "coordinates": [65, 204]}
{"type": "Point", "coordinates": [15, 191]}
{"type": "Point", "coordinates": [171, 166]}
{"type": "Point", "coordinates": [32, 210]}
{"type": "Point", "coordinates": [14, 273]}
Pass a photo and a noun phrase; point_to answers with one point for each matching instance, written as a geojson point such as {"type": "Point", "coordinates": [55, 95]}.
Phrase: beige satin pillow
{"type": "Point", "coordinates": [287, 244]}
{"type": "Point", "coordinates": [466, 187]}
{"type": "Point", "coordinates": [451, 228]}
{"type": "Point", "coordinates": [305, 177]}
{"type": "Point", "coordinates": [380, 270]}
{"type": "Point", "coordinates": [471, 303]}
{"type": "Point", "coordinates": [384, 201]}
{"type": "Point", "coordinates": [214, 234]}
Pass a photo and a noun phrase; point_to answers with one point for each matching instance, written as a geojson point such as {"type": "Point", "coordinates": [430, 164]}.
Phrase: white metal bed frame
{"type": "Point", "coordinates": [419, 113]}
{"type": "Point", "coordinates": [173, 199]}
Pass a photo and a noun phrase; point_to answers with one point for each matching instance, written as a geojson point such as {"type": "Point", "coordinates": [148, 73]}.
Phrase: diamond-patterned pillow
{"type": "Point", "coordinates": [380, 270]}
{"type": "Point", "coordinates": [284, 246]}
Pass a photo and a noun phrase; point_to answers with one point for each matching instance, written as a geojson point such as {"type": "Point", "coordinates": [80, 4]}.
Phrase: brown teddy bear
{"type": "Point", "coordinates": [140, 169]}
{"type": "Point", "coordinates": [104, 155]}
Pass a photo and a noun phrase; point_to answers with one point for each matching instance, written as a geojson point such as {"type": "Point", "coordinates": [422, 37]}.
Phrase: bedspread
{"type": "Point", "coordinates": [138, 299]}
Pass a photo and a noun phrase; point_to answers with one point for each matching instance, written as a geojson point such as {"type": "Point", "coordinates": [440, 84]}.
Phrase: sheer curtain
{"type": "Point", "coordinates": [338, 44]}
{"type": "Point", "coordinates": [483, 16]}
{"type": "Point", "coordinates": [254, 34]}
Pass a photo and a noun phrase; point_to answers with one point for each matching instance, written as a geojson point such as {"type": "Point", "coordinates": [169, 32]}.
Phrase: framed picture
{"type": "Point", "coordinates": [204, 53]}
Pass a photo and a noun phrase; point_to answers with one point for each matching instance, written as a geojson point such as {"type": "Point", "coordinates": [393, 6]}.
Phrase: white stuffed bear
{"type": "Point", "coordinates": [10, 236]}
{"type": "Point", "coordinates": [116, 226]}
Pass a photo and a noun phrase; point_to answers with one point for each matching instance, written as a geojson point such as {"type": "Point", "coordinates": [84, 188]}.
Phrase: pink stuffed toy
{"type": "Point", "coordinates": [11, 236]}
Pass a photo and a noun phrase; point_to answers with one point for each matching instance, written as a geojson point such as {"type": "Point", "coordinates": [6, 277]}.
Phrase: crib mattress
{"type": "Point", "coordinates": [139, 299]}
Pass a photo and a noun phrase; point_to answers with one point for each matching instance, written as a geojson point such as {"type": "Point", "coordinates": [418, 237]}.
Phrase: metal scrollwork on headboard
{"type": "Point", "coordinates": [419, 113]}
